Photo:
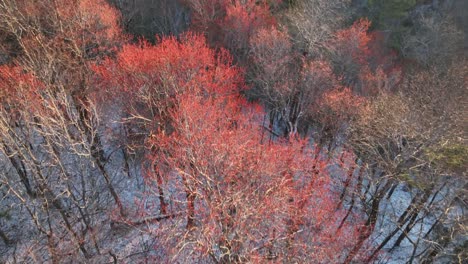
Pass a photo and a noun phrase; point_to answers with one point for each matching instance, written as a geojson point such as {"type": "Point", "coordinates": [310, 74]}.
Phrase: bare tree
{"type": "Point", "coordinates": [316, 21]}
{"type": "Point", "coordinates": [434, 38]}
{"type": "Point", "coordinates": [397, 134]}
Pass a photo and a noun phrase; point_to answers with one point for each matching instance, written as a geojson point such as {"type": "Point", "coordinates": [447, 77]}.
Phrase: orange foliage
{"type": "Point", "coordinates": [206, 14]}
{"type": "Point", "coordinates": [272, 57]}
{"type": "Point", "coordinates": [156, 76]}
{"type": "Point", "coordinates": [342, 102]}
{"type": "Point", "coordinates": [271, 50]}
{"type": "Point", "coordinates": [227, 186]}
{"type": "Point", "coordinates": [354, 41]}
{"type": "Point", "coordinates": [243, 19]}
{"type": "Point", "coordinates": [188, 64]}
{"type": "Point", "coordinates": [15, 92]}
{"type": "Point", "coordinates": [25, 99]}
{"type": "Point", "coordinates": [13, 77]}
{"type": "Point", "coordinates": [75, 17]}
{"type": "Point", "coordinates": [249, 198]}
{"type": "Point", "coordinates": [317, 77]}
{"type": "Point", "coordinates": [99, 17]}
{"type": "Point", "coordinates": [336, 109]}
{"type": "Point", "coordinates": [362, 60]}
{"type": "Point", "coordinates": [231, 23]}
{"type": "Point", "coordinates": [375, 82]}
{"type": "Point", "coordinates": [80, 27]}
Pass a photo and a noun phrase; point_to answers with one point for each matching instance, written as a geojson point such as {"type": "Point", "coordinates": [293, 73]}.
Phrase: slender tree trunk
{"type": "Point", "coordinates": [125, 152]}
{"type": "Point", "coordinates": [390, 193]}
{"type": "Point", "coordinates": [96, 150]}
{"type": "Point", "coordinates": [272, 124]}
{"type": "Point", "coordinates": [5, 238]}
{"type": "Point", "coordinates": [111, 187]}
{"type": "Point", "coordinates": [357, 190]}
{"type": "Point", "coordinates": [190, 197]}
{"type": "Point", "coordinates": [411, 223]}
{"type": "Point", "coordinates": [57, 202]}
{"type": "Point", "coordinates": [162, 203]}
{"type": "Point", "coordinates": [410, 215]}
{"type": "Point", "coordinates": [368, 228]}
{"type": "Point", "coordinates": [20, 168]}
{"type": "Point", "coordinates": [51, 249]}
{"type": "Point", "coordinates": [406, 231]}
{"type": "Point", "coordinates": [347, 182]}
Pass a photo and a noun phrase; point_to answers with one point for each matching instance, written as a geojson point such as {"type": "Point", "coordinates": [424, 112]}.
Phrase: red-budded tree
{"type": "Point", "coordinates": [362, 61]}
{"type": "Point", "coordinates": [272, 71]}
{"type": "Point", "coordinates": [146, 81]}
{"type": "Point", "coordinates": [231, 24]}
{"type": "Point", "coordinates": [335, 109]}
{"type": "Point", "coordinates": [225, 192]}
{"type": "Point", "coordinates": [350, 50]}
{"type": "Point", "coordinates": [295, 89]}
{"type": "Point", "coordinates": [243, 19]}
{"type": "Point", "coordinates": [241, 199]}
{"type": "Point", "coordinates": [206, 15]}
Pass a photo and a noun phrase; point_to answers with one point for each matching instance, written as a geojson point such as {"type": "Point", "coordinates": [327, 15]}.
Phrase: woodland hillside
{"type": "Point", "coordinates": [233, 131]}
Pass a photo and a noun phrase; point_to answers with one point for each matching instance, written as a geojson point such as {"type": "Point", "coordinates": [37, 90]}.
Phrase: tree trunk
{"type": "Point", "coordinates": [162, 203]}
{"type": "Point", "coordinates": [96, 149]}
{"type": "Point", "coordinates": [368, 228]}
{"type": "Point", "coordinates": [5, 238]}
{"type": "Point", "coordinates": [20, 168]}
{"type": "Point", "coordinates": [410, 215]}
{"type": "Point", "coordinates": [190, 197]}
